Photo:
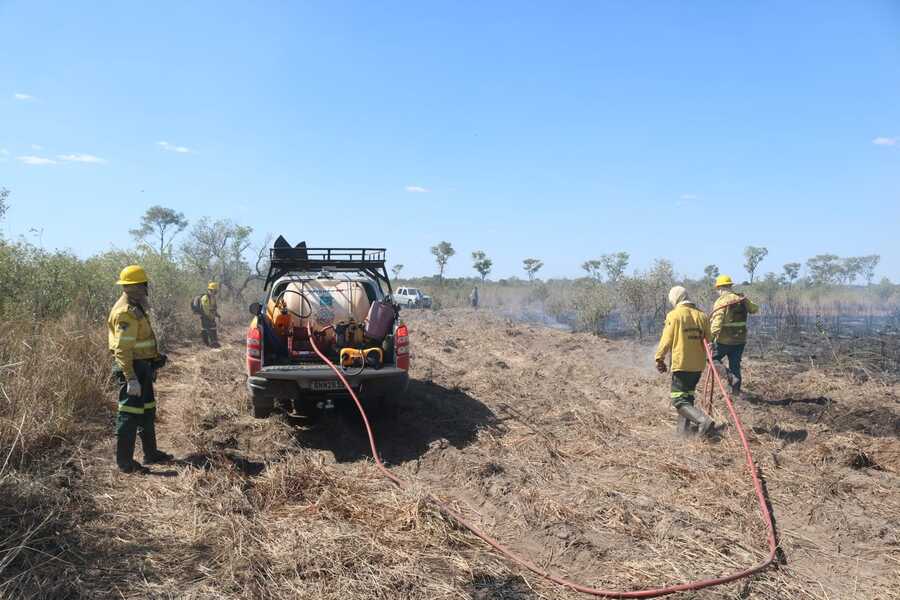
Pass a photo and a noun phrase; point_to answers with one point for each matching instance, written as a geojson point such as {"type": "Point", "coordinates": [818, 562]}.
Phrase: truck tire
{"type": "Point", "coordinates": [262, 412]}
{"type": "Point", "coordinates": [260, 408]}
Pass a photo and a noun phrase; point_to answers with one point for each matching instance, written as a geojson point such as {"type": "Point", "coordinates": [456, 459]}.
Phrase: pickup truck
{"type": "Point", "coordinates": [411, 298]}
{"type": "Point", "coordinates": [335, 291]}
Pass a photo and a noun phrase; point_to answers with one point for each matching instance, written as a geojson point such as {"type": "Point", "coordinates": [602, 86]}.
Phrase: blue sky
{"type": "Point", "coordinates": [560, 131]}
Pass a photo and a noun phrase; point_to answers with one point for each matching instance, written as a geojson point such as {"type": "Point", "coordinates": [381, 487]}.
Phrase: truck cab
{"type": "Point", "coordinates": [331, 302]}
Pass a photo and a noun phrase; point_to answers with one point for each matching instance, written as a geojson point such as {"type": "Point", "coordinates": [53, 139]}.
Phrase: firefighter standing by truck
{"type": "Point", "coordinates": [208, 309]}
{"type": "Point", "coordinates": [729, 329]}
{"type": "Point", "coordinates": [683, 336]}
{"type": "Point", "coordinates": [136, 359]}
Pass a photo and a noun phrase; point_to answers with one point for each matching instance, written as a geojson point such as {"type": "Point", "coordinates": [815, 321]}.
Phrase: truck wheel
{"type": "Point", "coordinates": [262, 412]}
{"type": "Point", "coordinates": [261, 408]}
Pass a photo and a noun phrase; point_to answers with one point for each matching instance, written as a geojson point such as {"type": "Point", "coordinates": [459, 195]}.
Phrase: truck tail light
{"type": "Point", "coordinates": [254, 350]}
{"type": "Point", "coordinates": [401, 345]}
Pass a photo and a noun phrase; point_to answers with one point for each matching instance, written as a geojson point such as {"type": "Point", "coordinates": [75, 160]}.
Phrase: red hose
{"type": "Point", "coordinates": [523, 562]}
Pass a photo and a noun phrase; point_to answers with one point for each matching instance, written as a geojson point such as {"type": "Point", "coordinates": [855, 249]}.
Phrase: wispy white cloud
{"type": "Point", "coordinates": [174, 148]}
{"type": "Point", "coordinates": [37, 147]}
{"type": "Point", "coordinates": [23, 97]}
{"type": "Point", "coordinates": [886, 141]}
{"type": "Point", "coordinates": [417, 189]}
{"type": "Point", "coordinates": [82, 158]}
{"type": "Point", "coordinates": [4, 152]}
{"type": "Point", "coordinates": [36, 160]}
{"type": "Point", "coordinates": [688, 197]}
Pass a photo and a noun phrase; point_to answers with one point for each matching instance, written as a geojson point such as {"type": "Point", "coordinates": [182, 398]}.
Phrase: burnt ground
{"type": "Point", "coordinates": [559, 444]}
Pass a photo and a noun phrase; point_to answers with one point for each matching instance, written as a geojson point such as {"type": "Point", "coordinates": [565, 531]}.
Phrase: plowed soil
{"type": "Point", "coordinates": [561, 445]}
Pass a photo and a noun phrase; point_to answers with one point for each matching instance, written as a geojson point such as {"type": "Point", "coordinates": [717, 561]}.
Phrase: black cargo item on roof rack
{"type": "Point", "coordinates": [285, 259]}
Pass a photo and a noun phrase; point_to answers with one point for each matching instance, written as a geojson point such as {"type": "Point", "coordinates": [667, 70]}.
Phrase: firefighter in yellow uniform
{"type": "Point", "coordinates": [683, 336]}
{"type": "Point", "coordinates": [729, 329]}
{"type": "Point", "coordinates": [137, 358]}
{"type": "Point", "coordinates": [209, 313]}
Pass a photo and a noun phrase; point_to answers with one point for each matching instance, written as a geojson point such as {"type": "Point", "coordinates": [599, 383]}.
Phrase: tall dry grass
{"type": "Point", "coordinates": [51, 374]}
{"type": "Point", "coordinates": [54, 380]}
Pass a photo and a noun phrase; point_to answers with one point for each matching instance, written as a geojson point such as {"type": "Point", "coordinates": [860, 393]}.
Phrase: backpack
{"type": "Point", "coordinates": [196, 306]}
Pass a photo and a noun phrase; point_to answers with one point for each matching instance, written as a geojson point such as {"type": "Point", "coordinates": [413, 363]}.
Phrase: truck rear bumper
{"type": "Point", "coordinates": [289, 381]}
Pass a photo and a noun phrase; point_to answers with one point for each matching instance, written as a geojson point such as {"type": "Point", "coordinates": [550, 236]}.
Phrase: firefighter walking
{"type": "Point", "coordinates": [729, 330]}
{"type": "Point", "coordinates": [209, 314]}
{"type": "Point", "coordinates": [136, 360]}
{"type": "Point", "coordinates": [683, 336]}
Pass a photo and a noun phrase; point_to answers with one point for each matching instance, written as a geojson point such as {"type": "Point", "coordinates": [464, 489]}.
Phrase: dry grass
{"type": "Point", "coordinates": [54, 379]}
{"type": "Point", "coordinates": [569, 460]}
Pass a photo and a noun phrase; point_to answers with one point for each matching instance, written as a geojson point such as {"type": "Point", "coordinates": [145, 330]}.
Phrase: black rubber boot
{"type": "Point", "coordinates": [694, 414]}
{"type": "Point", "coordinates": [205, 336]}
{"type": "Point", "coordinates": [158, 456]}
{"type": "Point", "coordinates": [152, 454]}
{"type": "Point", "coordinates": [125, 455]}
{"type": "Point", "coordinates": [126, 437]}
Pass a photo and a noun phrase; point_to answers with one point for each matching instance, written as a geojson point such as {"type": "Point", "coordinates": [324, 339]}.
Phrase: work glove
{"type": "Point", "coordinates": [133, 388]}
{"type": "Point", "coordinates": [661, 366]}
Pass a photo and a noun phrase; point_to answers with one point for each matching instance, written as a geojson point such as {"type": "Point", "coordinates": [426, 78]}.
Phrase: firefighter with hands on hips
{"type": "Point", "coordinates": [136, 360]}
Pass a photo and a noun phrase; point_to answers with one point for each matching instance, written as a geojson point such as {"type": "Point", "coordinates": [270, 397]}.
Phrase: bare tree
{"type": "Point", "coordinates": [442, 253]}
{"type": "Point", "coordinates": [260, 266]}
{"type": "Point", "coordinates": [482, 264]}
{"type": "Point", "coordinates": [635, 297]}
{"type": "Point", "coordinates": [216, 250]}
{"type": "Point", "coordinates": [532, 266]}
{"type": "Point", "coordinates": [754, 255]}
{"type": "Point", "coordinates": [160, 225]}
{"type": "Point", "coordinates": [396, 270]}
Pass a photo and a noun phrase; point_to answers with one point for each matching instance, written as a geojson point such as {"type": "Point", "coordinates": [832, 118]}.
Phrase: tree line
{"type": "Point", "coordinates": [822, 269]}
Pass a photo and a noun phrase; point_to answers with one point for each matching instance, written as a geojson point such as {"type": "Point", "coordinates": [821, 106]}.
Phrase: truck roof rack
{"type": "Point", "coordinates": [285, 259]}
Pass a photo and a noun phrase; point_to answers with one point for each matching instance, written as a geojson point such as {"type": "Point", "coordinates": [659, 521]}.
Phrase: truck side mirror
{"type": "Point", "coordinates": [255, 308]}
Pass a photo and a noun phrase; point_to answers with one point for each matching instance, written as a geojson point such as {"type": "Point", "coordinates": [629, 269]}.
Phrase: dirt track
{"type": "Point", "coordinates": [560, 444]}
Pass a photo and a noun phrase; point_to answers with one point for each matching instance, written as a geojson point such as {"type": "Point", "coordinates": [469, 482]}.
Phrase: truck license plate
{"type": "Point", "coordinates": [327, 385]}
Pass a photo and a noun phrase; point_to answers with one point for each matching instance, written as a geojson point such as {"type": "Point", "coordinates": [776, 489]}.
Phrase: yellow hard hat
{"type": "Point", "coordinates": [132, 275]}
{"type": "Point", "coordinates": [213, 286]}
{"type": "Point", "coordinates": [723, 281]}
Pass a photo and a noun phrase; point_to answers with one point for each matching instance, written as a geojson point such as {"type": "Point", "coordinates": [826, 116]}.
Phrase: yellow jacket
{"type": "Point", "coordinates": [686, 327]}
{"type": "Point", "coordinates": [130, 336]}
{"type": "Point", "coordinates": [209, 306]}
{"type": "Point", "coordinates": [729, 318]}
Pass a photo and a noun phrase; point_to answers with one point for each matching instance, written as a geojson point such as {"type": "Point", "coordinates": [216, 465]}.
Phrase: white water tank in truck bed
{"type": "Point", "coordinates": [328, 302]}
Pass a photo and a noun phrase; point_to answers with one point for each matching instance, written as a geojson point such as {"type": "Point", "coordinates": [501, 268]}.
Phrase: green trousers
{"type": "Point", "coordinates": [684, 383]}
{"type": "Point", "coordinates": [137, 415]}
{"type": "Point", "coordinates": [209, 330]}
